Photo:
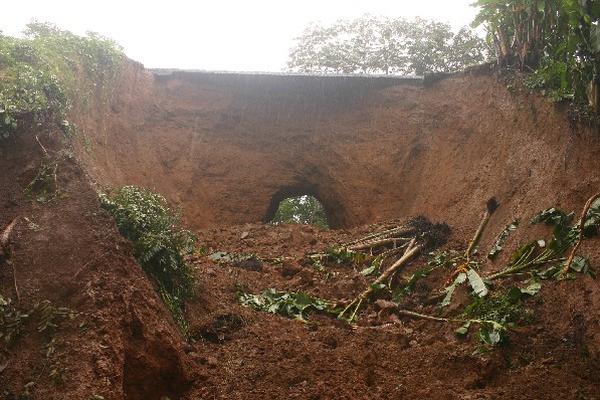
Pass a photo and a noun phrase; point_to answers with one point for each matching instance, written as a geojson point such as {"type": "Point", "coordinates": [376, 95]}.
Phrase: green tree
{"type": "Point", "coordinates": [557, 40]}
{"type": "Point", "coordinates": [301, 210]}
{"type": "Point", "coordinates": [383, 45]}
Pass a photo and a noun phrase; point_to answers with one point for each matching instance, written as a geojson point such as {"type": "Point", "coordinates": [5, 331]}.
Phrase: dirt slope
{"type": "Point", "coordinates": [385, 357]}
{"type": "Point", "coordinates": [228, 148]}
{"type": "Point", "coordinates": [120, 343]}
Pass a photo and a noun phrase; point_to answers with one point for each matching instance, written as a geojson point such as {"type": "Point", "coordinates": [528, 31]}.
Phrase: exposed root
{"type": "Point", "coordinates": [5, 240]}
{"type": "Point", "coordinates": [42, 146]}
{"type": "Point", "coordinates": [582, 220]}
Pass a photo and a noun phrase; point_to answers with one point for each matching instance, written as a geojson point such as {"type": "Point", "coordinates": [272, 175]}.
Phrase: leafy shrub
{"type": "Point", "coordinates": [160, 245]}
{"type": "Point", "coordinates": [289, 304]}
{"type": "Point", "coordinates": [41, 73]}
{"type": "Point", "coordinates": [559, 41]}
{"type": "Point", "coordinates": [497, 313]}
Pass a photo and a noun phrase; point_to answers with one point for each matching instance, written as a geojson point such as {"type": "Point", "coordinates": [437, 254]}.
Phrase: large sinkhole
{"type": "Point", "coordinates": [302, 209]}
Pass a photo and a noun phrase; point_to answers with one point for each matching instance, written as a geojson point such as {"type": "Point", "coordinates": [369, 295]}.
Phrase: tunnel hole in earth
{"type": "Point", "coordinates": [300, 205]}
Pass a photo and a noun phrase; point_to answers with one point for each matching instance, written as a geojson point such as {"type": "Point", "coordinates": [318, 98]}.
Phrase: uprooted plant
{"type": "Point", "coordinates": [538, 253]}
{"type": "Point", "coordinates": [405, 240]}
{"type": "Point", "coordinates": [497, 313]}
{"type": "Point", "coordinates": [46, 70]}
{"type": "Point", "coordinates": [296, 305]}
{"type": "Point", "coordinates": [43, 318]}
{"type": "Point", "coordinates": [160, 245]}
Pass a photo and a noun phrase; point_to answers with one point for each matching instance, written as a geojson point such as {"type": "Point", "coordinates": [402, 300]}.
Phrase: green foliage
{"type": "Point", "coordinates": [337, 255]}
{"type": "Point", "coordinates": [160, 245]}
{"type": "Point", "coordinates": [384, 45]}
{"type": "Point", "coordinates": [47, 316]}
{"type": "Point", "coordinates": [495, 314]}
{"type": "Point", "coordinates": [301, 210]}
{"type": "Point", "coordinates": [44, 186]}
{"type": "Point", "coordinates": [12, 321]}
{"type": "Point", "coordinates": [296, 305]}
{"type": "Point", "coordinates": [559, 40]}
{"type": "Point", "coordinates": [437, 260]}
{"type": "Point", "coordinates": [564, 235]}
{"type": "Point", "coordinates": [42, 73]}
{"type": "Point", "coordinates": [499, 242]}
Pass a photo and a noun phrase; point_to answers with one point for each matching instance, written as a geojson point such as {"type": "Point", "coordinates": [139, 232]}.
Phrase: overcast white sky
{"type": "Point", "coordinates": [234, 35]}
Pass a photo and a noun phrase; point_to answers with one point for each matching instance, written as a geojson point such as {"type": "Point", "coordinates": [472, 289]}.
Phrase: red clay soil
{"type": "Point", "coordinates": [225, 151]}
{"type": "Point", "coordinates": [555, 355]}
{"type": "Point", "coordinates": [226, 148]}
{"type": "Point", "coordinates": [121, 343]}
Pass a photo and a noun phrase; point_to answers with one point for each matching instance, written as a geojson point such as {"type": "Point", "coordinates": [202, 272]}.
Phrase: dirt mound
{"type": "Point", "coordinates": [385, 356]}
{"type": "Point", "coordinates": [102, 330]}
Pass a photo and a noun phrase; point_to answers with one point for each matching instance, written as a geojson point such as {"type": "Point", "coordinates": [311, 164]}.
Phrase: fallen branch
{"type": "Point", "coordinates": [411, 250]}
{"type": "Point", "coordinates": [491, 207]}
{"type": "Point", "coordinates": [586, 209]}
{"type": "Point", "coordinates": [42, 146]}
{"type": "Point", "coordinates": [379, 242]}
{"type": "Point", "coordinates": [15, 282]}
{"type": "Point", "coordinates": [442, 319]}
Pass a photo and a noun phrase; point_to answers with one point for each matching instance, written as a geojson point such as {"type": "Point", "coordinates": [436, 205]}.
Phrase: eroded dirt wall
{"type": "Point", "coordinates": [224, 146]}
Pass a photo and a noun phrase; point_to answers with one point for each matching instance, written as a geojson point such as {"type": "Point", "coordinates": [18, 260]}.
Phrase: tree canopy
{"type": "Point", "coordinates": [557, 40]}
{"type": "Point", "coordinates": [384, 45]}
{"type": "Point", "coordinates": [301, 210]}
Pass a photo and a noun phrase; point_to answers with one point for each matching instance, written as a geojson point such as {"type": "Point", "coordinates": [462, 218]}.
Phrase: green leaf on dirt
{"type": "Point", "coordinates": [552, 216]}
{"type": "Point", "coordinates": [374, 268]}
{"type": "Point", "coordinates": [377, 286]}
{"type": "Point", "coordinates": [492, 333]}
{"type": "Point", "coordinates": [460, 278]}
{"type": "Point", "coordinates": [532, 289]}
{"type": "Point", "coordinates": [296, 305]}
{"type": "Point", "coordinates": [464, 329]}
{"type": "Point", "coordinates": [479, 287]}
{"type": "Point", "coordinates": [581, 264]}
{"type": "Point", "coordinates": [499, 242]}
{"type": "Point", "coordinates": [495, 314]}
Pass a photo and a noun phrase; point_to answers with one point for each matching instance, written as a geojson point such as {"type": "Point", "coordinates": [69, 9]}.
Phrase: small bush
{"type": "Point", "coordinates": [43, 72]}
{"type": "Point", "coordinates": [160, 245]}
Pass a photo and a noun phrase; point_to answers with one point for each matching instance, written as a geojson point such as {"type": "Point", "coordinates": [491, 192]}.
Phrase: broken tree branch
{"type": "Point", "coordinates": [380, 242]}
{"type": "Point", "coordinates": [5, 239]}
{"type": "Point", "coordinates": [42, 146]}
{"type": "Point", "coordinates": [413, 314]}
{"type": "Point", "coordinates": [584, 213]}
{"type": "Point", "coordinates": [411, 250]}
{"type": "Point", "coordinates": [491, 206]}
